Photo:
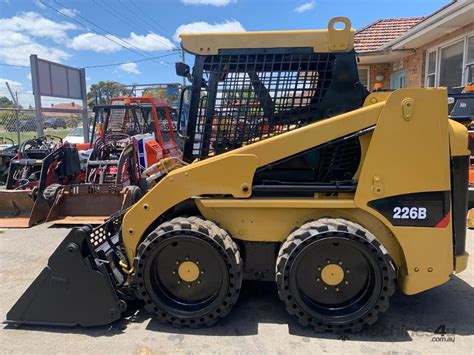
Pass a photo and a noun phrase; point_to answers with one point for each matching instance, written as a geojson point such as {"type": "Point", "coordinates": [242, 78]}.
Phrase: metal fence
{"type": "Point", "coordinates": [16, 126]}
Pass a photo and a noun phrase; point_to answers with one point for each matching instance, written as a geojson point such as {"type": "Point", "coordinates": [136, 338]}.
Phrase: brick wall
{"type": "Point", "coordinates": [415, 67]}
{"type": "Point", "coordinates": [383, 69]}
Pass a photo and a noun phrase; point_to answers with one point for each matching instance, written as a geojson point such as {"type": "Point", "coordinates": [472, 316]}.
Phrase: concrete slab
{"type": "Point", "coordinates": [257, 324]}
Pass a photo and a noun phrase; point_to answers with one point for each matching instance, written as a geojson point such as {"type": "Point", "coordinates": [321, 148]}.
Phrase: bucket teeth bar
{"type": "Point", "coordinates": [74, 289]}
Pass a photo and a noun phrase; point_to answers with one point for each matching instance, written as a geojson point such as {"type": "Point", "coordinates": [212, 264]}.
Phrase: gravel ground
{"type": "Point", "coordinates": [257, 324]}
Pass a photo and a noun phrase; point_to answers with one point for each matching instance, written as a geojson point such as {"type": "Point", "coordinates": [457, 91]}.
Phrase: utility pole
{"type": "Point", "coordinates": [17, 111]}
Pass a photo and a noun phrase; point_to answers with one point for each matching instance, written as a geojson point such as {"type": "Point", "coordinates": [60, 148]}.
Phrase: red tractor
{"type": "Point", "coordinates": [129, 141]}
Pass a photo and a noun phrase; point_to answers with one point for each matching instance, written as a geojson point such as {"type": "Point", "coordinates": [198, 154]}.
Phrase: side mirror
{"type": "Point", "coordinates": [182, 69]}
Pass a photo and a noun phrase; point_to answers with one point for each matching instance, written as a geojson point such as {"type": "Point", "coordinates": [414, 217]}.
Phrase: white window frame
{"type": "Point", "coordinates": [466, 63]}
{"type": "Point", "coordinates": [438, 49]}
{"type": "Point", "coordinates": [427, 65]}
{"type": "Point", "coordinates": [364, 67]}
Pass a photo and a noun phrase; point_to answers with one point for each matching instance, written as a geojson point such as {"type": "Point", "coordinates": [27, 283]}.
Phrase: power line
{"type": "Point", "coordinates": [14, 66]}
{"type": "Point", "coordinates": [82, 24]}
{"type": "Point", "coordinates": [107, 65]}
{"type": "Point", "coordinates": [142, 14]}
{"type": "Point", "coordinates": [130, 61]}
{"type": "Point", "coordinates": [124, 19]}
{"type": "Point", "coordinates": [147, 56]}
{"type": "Point", "coordinates": [139, 52]}
{"type": "Point", "coordinates": [107, 32]}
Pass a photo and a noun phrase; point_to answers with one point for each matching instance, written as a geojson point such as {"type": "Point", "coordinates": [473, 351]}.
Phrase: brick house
{"type": "Point", "coordinates": [436, 50]}
{"type": "Point", "coordinates": [69, 106]}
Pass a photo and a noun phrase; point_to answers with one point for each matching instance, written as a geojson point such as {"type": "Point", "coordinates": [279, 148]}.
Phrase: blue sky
{"type": "Point", "coordinates": [148, 28]}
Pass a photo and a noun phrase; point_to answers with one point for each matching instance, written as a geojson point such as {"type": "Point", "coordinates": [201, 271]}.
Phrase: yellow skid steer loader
{"type": "Point", "coordinates": [296, 176]}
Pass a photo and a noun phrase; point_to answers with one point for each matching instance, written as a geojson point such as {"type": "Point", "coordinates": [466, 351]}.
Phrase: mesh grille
{"type": "Point", "coordinates": [104, 233]}
{"type": "Point", "coordinates": [254, 96]}
{"type": "Point", "coordinates": [125, 121]}
{"type": "Point", "coordinates": [99, 236]}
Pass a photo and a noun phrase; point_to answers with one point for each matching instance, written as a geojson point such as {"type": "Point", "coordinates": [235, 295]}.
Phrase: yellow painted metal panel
{"type": "Point", "coordinates": [458, 138]}
{"type": "Point", "coordinates": [275, 203]}
{"type": "Point", "coordinates": [330, 40]}
{"type": "Point", "coordinates": [409, 153]}
{"type": "Point", "coordinates": [265, 221]}
{"type": "Point", "coordinates": [221, 175]}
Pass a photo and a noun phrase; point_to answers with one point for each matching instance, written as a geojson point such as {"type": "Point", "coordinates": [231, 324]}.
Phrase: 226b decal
{"type": "Point", "coordinates": [409, 213]}
{"type": "Point", "coordinates": [423, 209]}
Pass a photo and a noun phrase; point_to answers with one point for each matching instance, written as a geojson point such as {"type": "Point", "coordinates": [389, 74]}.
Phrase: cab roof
{"type": "Point", "coordinates": [334, 39]}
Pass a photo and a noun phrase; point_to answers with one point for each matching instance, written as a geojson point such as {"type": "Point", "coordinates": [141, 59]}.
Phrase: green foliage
{"type": "Point", "coordinates": [105, 90]}
{"type": "Point", "coordinates": [5, 102]}
{"type": "Point", "coordinates": [169, 92]}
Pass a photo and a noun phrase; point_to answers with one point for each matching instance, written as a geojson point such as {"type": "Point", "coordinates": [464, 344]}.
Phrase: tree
{"type": "Point", "coordinates": [5, 102]}
{"type": "Point", "coordinates": [103, 91]}
{"type": "Point", "coordinates": [168, 92]}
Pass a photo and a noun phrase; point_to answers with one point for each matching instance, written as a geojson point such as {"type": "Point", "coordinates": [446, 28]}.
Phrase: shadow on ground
{"type": "Point", "coordinates": [408, 317]}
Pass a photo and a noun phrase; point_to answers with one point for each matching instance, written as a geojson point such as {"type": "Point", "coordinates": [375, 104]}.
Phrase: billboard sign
{"type": "Point", "coordinates": [58, 80]}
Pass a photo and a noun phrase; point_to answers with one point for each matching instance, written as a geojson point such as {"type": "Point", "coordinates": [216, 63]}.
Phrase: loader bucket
{"type": "Point", "coordinates": [18, 209]}
{"type": "Point", "coordinates": [88, 203]}
{"type": "Point", "coordinates": [73, 289]}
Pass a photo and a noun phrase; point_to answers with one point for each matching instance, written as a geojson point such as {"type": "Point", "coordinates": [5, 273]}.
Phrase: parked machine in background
{"type": "Point", "coordinates": [129, 140]}
{"type": "Point", "coordinates": [294, 175]}
{"type": "Point", "coordinates": [8, 151]}
{"type": "Point", "coordinates": [39, 163]}
{"type": "Point", "coordinates": [49, 180]}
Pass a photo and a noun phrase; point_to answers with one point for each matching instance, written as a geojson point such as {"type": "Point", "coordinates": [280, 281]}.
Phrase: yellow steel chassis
{"type": "Point", "coordinates": [408, 151]}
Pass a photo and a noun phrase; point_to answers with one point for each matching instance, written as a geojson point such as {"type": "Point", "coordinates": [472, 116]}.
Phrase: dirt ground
{"type": "Point", "coordinates": [257, 324]}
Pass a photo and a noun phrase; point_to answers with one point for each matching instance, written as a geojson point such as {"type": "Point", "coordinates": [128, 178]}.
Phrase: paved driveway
{"type": "Point", "coordinates": [257, 324]}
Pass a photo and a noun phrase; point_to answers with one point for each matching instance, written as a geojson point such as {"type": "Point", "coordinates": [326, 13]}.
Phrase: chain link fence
{"type": "Point", "coordinates": [16, 126]}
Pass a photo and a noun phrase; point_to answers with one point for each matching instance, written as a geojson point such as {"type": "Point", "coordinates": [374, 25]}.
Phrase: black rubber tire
{"type": "Point", "coordinates": [135, 192]}
{"type": "Point", "coordinates": [315, 231]}
{"type": "Point", "coordinates": [208, 232]}
{"type": "Point", "coordinates": [50, 193]}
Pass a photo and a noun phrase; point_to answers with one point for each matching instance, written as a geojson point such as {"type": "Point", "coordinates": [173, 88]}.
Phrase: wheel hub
{"type": "Point", "coordinates": [188, 271]}
{"type": "Point", "coordinates": [332, 274]}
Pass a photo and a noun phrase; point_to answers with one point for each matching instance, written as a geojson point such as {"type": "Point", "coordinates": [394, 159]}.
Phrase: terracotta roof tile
{"type": "Point", "coordinates": [71, 105]}
{"type": "Point", "coordinates": [380, 32]}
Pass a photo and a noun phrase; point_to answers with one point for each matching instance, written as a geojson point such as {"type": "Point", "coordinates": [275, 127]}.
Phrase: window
{"type": "Point", "coordinates": [398, 79]}
{"type": "Point", "coordinates": [364, 76]}
{"type": "Point", "coordinates": [470, 60]}
{"type": "Point", "coordinates": [451, 65]}
{"type": "Point", "coordinates": [431, 70]}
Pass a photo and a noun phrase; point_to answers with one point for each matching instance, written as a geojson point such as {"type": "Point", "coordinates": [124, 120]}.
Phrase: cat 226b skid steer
{"type": "Point", "coordinates": [295, 175]}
